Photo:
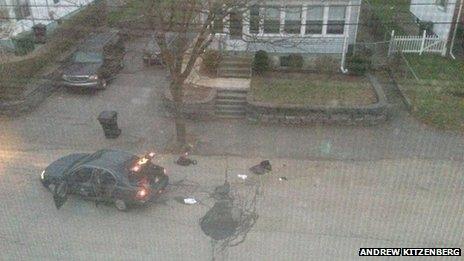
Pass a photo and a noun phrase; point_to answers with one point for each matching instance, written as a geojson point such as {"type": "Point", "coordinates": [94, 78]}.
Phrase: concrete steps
{"type": "Point", "coordinates": [230, 103]}
{"type": "Point", "coordinates": [235, 67]}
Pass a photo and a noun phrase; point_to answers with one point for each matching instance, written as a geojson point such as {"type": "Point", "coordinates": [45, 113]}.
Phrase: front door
{"type": "Point", "coordinates": [80, 182]}
{"type": "Point", "coordinates": [60, 193]}
{"type": "Point", "coordinates": [236, 26]}
{"type": "Point", "coordinates": [104, 183]}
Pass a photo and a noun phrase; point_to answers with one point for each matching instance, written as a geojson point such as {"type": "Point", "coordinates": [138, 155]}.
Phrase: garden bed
{"type": "Point", "coordinates": [327, 108]}
{"type": "Point", "coordinates": [313, 89]}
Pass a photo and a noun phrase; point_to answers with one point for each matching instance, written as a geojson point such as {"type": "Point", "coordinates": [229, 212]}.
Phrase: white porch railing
{"type": "Point", "coordinates": [417, 44]}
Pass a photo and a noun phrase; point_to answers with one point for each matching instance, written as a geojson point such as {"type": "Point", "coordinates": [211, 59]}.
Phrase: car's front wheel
{"type": "Point", "coordinates": [120, 205]}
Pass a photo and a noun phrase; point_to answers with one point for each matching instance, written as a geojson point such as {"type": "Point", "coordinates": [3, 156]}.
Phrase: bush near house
{"type": "Point", "coordinates": [295, 61]}
{"type": "Point", "coordinates": [211, 61]}
{"type": "Point", "coordinates": [327, 64]}
{"type": "Point", "coordinates": [261, 62]}
{"type": "Point", "coordinates": [358, 64]}
{"type": "Point", "coordinates": [24, 44]}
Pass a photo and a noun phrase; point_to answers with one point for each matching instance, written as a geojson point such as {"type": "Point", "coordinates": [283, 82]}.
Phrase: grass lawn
{"type": "Point", "coordinates": [438, 98]}
{"type": "Point", "coordinates": [313, 89]}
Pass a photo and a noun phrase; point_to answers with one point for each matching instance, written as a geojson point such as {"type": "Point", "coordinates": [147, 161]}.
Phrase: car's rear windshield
{"type": "Point", "coordinates": [87, 57]}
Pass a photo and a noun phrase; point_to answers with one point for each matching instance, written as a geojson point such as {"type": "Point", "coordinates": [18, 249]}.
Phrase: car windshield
{"type": "Point", "coordinates": [87, 57]}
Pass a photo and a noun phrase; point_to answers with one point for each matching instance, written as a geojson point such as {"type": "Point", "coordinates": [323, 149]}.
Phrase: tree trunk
{"type": "Point", "coordinates": [178, 97]}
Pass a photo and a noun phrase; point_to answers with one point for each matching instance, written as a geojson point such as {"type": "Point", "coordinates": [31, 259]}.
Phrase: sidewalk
{"type": "Point", "coordinates": [197, 79]}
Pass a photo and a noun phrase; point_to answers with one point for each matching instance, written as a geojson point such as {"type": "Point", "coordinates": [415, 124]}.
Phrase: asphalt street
{"type": "Point", "coordinates": [325, 210]}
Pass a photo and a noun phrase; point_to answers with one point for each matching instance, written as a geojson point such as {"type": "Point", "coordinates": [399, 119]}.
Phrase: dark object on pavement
{"type": "Point", "coordinates": [109, 123]}
{"type": "Point", "coordinates": [261, 168]}
{"type": "Point", "coordinates": [184, 161]}
{"type": "Point", "coordinates": [112, 176]}
{"type": "Point", "coordinates": [222, 192]}
{"type": "Point", "coordinates": [221, 221]}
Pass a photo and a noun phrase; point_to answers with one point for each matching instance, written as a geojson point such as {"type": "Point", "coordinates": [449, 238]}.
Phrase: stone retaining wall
{"type": "Point", "coordinates": [34, 95]}
{"type": "Point", "coordinates": [192, 109]}
{"type": "Point", "coordinates": [301, 114]}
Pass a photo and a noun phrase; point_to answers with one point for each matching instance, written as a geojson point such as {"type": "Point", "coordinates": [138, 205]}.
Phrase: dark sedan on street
{"type": "Point", "coordinates": [111, 176]}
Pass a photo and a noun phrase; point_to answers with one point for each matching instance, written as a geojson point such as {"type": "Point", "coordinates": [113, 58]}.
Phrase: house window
{"type": "Point", "coordinates": [218, 22]}
{"type": "Point", "coordinates": [441, 4]}
{"type": "Point", "coordinates": [314, 19]}
{"type": "Point", "coordinates": [22, 9]}
{"type": "Point", "coordinates": [336, 21]}
{"type": "Point", "coordinates": [254, 19]}
{"type": "Point", "coordinates": [293, 20]}
{"type": "Point", "coordinates": [272, 20]}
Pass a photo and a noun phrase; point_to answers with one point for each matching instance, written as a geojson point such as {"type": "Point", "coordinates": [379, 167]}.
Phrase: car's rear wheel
{"type": "Point", "coordinates": [120, 205]}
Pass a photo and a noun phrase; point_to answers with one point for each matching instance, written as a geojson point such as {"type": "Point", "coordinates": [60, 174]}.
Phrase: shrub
{"type": "Point", "coordinates": [358, 64]}
{"type": "Point", "coordinates": [211, 61]}
{"type": "Point", "coordinates": [295, 61]}
{"type": "Point", "coordinates": [24, 44]}
{"type": "Point", "coordinates": [427, 26]}
{"type": "Point", "coordinates": [261, 62]}
{"type": "Point", "coordinates": [326, 64]}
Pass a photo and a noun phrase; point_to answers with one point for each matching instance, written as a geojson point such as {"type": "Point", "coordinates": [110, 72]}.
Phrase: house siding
{"type": "Point", "coordinates": [304, 44]}
{"type": "Point", "coordinates": [40, 13]}
{"type": "Point", "coordinates": [428, 10]}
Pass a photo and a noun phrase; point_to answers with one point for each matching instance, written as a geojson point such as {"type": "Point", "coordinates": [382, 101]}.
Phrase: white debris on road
{"type": "Point", "coordinates": [242, 176]}
{"type": "Point", "coordinates": [190, 201]}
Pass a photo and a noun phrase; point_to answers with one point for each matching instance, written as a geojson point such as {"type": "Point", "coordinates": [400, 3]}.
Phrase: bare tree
{"type": "Point", "coordinates": [183, 30]}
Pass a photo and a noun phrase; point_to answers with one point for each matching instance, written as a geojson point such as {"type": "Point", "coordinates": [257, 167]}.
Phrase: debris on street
{"type": "Point", "coordinates": [262, 168]}
{"type": "Point", "coordinates": [185, 161]}
{"type": "Point", "coordinates": [222, 192]}
{"type": "Point", "coordinates": [186, 200]}
{"type": "Point", "coordinates": [242, 176]}
{"type": "Point", "coordinates": [190, 201]}
{"type": "Point", "coordinates": [221, 221]}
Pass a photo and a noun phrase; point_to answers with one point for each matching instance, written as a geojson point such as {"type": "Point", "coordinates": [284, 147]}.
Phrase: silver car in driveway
{"type": "Point", "coordinates": [96, 62]}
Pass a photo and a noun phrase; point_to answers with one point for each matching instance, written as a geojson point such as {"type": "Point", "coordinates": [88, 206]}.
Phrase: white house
{"type": "Point", "coordinates": [307, 27]}
{"type": "Point", "coordinates": [442, 13]}
{"type": "Point", "coordinates": [20, 15]}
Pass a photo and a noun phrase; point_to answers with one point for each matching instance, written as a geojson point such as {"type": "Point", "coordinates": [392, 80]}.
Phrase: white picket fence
{"type": "Point", "coordinates": [417, 44]}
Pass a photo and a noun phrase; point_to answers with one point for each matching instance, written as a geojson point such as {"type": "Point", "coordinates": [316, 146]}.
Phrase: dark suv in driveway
{"type": "Point", "coordinates": [95, 62]}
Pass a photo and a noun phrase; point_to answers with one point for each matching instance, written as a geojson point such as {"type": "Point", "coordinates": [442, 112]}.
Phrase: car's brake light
{"type": "Point", "coordinates": [142, 161]}
{"type": "Point", "coordinates": [142, 193]}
